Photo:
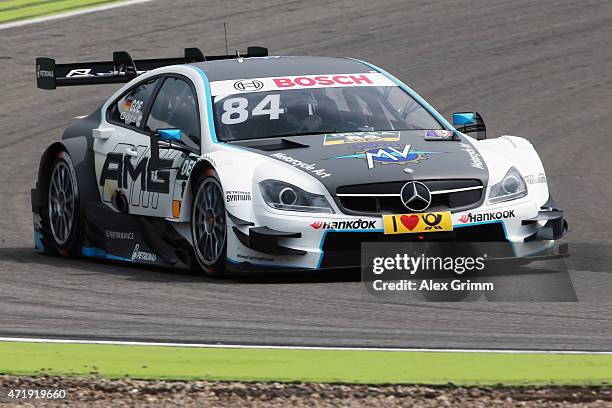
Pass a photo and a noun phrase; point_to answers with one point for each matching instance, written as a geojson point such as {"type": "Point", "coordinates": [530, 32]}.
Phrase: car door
{"type": "Point", "coordinates": [120, 147]}
{"type": "Point", "coordinates": [124, 151]}
{"type": "Point", "coordinates": [174, 107]}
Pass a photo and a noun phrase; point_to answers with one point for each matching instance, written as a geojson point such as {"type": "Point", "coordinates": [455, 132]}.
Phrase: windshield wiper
{"type": "Point", "coordinates": [313, 132]}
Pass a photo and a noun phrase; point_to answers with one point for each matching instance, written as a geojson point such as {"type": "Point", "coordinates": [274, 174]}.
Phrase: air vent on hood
{"type": "Point", "coordinates": [270, 145]}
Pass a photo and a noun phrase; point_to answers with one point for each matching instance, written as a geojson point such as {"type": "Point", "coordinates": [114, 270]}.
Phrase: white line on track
{"type": "Point", "coordinates": [85, 10]}
{"type": "Point", "coordinates": [246, 346]}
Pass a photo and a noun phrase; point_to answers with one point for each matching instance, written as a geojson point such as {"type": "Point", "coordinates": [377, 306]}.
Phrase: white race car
{"type": "Point", "coordinates": [252, 162]}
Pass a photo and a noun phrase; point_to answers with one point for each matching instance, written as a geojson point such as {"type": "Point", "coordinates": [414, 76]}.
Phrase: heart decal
{"type": "Point", "coordinates": [409, 221]}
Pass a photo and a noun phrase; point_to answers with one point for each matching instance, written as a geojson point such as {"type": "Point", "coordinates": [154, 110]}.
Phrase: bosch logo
{"type": "Point", "coordinates": [415, 196]}
{"type": "Point", "coordinates": [248, 85]}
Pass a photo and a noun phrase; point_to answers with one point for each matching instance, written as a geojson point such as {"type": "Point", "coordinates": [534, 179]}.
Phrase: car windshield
{"type": "Point", "coordinates": [335, 109]}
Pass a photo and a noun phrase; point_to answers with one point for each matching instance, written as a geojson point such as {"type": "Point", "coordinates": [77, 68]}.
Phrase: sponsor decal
{"type": "Point", "coordinates": [439, 135]}
{"type": "Point", "coordinates": [388, 154]}
{"type": "Point", "coordinates": [233, 196]}
{"type": "Point", "coordinates": [251, 258]}
{"type": "Point", "coordinates": [119, 235]}
{"type": "Point", "coordinates": [228, 87]}
{"type": "Point", "coordinates": [358, 224]}
{"type": "Point", "coordinates": [118, 167]}
{"type": "Point", "coordinates": [413, 223]}
{"type": "Point", "coordinates": [79, 73]}
{"type": "Point", "coordinates": [37, 220]}
{"type": "Point", "coordinates": [86, 73]}
{"type": "Point", "coordinates": [490, 216]}
{"type": "Point", "coordinates": [138, 255]}
{"type": "Point", "coordinates": [186, 169]}
{"type": "Point", "coordinates": [311, 168]}
{"type": "Point", "coordinates": [131, 111]}
{"type": "Point", "coordinates": [475, 159]}
{"type": "Point", "coordinates": [43, 73]}
{"type": "Point", "coordinates": [248, 85]}
{"type": "Point", "coordinates": [536, 179]}
{"type": "Point", "coordinates": [360, 137]}
{"type": "Point", "coordinates": [308, 81]}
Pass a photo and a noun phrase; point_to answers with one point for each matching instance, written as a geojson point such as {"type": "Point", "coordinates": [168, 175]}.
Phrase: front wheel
{"type": "Point", "coordinates": [209, 226]}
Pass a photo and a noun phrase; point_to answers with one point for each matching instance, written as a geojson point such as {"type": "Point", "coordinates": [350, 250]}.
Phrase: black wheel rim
{"type": "Point", "coordinates": [209, 228]}
{"type": "Point", "coordinates": [61, 203]}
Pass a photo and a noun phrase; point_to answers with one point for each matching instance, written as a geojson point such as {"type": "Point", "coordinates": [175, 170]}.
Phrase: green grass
{"type": "Point", "coordinates": [345, 366]}
{"type": "Point", "coordinates": [14, 10]}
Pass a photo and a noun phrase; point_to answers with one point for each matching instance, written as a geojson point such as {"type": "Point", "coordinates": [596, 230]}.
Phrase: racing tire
{"type": "Point", "coordinates": [209, 225]}
{"type": "Point", "coordinates": [62, 214]}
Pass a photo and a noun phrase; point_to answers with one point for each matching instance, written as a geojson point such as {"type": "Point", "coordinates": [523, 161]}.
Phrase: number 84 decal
{"type": "Point", "coordinates": [235, 110]}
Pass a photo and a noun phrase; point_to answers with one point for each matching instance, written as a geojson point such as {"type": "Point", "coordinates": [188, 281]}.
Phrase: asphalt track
{"type": "Point", "coordinates": [542, 70]}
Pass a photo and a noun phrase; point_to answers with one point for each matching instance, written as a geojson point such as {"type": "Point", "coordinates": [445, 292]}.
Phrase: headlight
{"type": "Point", "coordinates": [284, 196]}
{"type": "Point", "coordinates": [511, 187]}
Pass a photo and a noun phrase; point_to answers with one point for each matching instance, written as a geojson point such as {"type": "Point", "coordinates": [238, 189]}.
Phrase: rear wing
{"type": "Point", "coordinates": [122, 68]}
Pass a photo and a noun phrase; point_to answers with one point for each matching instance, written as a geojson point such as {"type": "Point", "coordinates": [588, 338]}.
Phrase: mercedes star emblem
{"type": "Point", "coordinates": [415, 196]}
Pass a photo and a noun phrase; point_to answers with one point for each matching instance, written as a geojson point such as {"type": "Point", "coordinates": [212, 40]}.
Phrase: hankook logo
{"type": "Point", "coordinates": [248, 85]}
{"type": "Point", "coordinates": [491, 216]}
{"type": "Point", "coordinates": [415, 196]}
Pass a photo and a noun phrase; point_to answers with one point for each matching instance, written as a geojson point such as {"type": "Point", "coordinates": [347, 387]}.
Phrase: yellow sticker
{"type": "Point", "coordinates": [413, 223]}
{"type": "Point", "coordinates": [361, 137]}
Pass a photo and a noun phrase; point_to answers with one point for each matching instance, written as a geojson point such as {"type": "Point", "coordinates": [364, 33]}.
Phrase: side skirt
{"type": "Point", "coordinates": [132, 238]}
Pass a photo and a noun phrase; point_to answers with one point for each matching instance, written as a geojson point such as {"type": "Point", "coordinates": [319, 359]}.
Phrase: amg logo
{"type": "Point", "coordinates": [139, 255]}
{"type": "Point", "coordinates": [492, 216]}
{"type": "Point", "coordinates": [340, 225]}
{"type": "Point", "coordinates": [118, 167]}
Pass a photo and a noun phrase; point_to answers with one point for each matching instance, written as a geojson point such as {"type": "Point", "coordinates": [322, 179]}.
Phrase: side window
{"type": "Point", "coordinates": [175, 107]}
{"type": "Point", "coordinates": [129, 109]}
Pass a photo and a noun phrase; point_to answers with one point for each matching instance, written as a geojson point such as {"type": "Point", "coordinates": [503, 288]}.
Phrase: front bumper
{"type": "Point", "coordinates": [288, 243]}
{"type": "Point", "coordinates": [554, 225]}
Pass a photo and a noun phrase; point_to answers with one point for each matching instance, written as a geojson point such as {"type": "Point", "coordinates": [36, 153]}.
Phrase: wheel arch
{"type": "Point", "coordinates": [82, 158]}
{"type": "Point", "coordinates": [44, 168]}
{"type": "Point", "coordinates": [201, 168]}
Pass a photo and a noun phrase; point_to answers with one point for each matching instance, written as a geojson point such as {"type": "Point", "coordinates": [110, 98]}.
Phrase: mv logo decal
{"type": "Point", "coordinates": [388, 154]}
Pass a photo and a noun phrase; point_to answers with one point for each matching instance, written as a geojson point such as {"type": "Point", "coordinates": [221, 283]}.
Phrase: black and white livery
{"type": "Point", "coordinates": [255, 162]}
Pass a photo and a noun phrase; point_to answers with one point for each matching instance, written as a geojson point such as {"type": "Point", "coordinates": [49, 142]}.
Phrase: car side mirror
{"type": "Point", "coordinates": [470, 122]}
{"type": "Point", "coordinates": [165, 135]}
{"type": "Point", "coordinates": [169, 135]}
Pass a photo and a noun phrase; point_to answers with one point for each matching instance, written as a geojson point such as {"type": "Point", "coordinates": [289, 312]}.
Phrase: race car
{"type": "Point", "coordinates": [250, 162]}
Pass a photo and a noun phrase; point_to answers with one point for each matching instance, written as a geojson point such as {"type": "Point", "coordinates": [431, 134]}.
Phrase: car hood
{"type": "Point", "coordinates": [374, 157]}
